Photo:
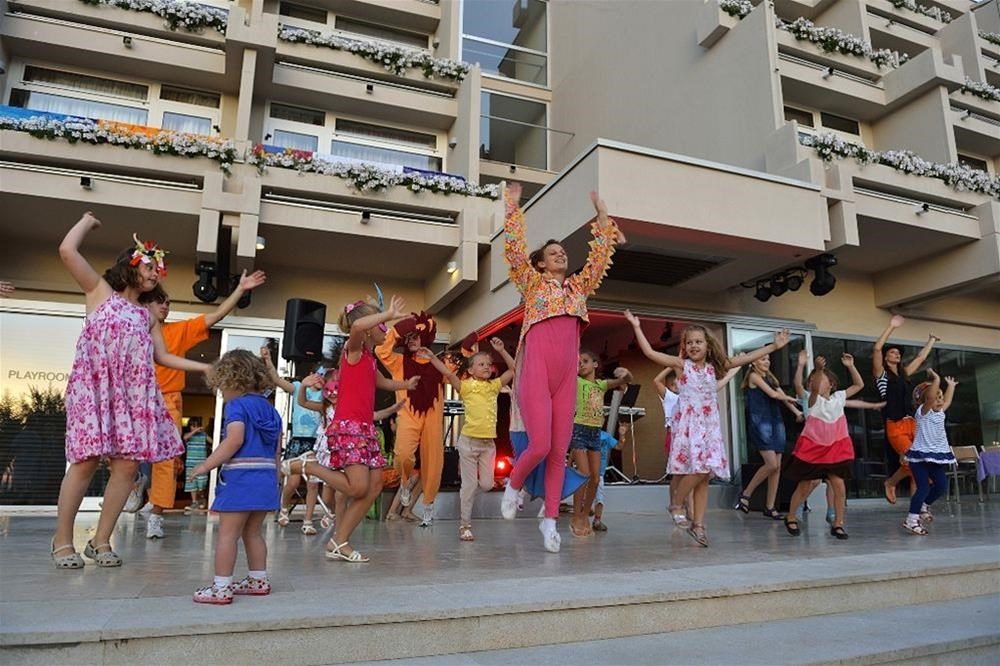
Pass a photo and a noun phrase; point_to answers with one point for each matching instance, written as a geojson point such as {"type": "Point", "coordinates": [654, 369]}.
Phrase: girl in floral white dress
{"type": "Point", "coordinates": [114, 409]}
{"type": "Point", "coordinates": [697, 451]}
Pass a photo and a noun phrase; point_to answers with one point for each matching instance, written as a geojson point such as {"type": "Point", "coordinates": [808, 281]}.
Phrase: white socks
{"type": "Point", "coordinates": [912, 518]}
{"type": "Point", "coordinates": [223, 581]}
{"type": "Point", "coordinates": [259, 575]}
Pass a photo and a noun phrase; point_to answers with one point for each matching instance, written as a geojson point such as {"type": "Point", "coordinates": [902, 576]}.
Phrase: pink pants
{"type": "Point", "coordinates": [546, 396]}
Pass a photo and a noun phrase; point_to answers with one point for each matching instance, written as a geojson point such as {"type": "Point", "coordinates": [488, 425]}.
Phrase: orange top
{"type": "Point", "coordinates": [544, 298]}
{"type": "Point", "coordinates": [180, 337]}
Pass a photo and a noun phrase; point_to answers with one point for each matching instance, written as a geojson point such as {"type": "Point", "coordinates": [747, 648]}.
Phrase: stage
{"type": "Point", "coordinates": [426, 593]}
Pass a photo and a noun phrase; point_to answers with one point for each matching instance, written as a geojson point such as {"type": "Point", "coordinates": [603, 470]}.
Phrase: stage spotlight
{"type": "Point", "coordinates": [823, 281]}
{"type": "Point", "coordinates": [204, 288]}
{"type": "Point", "coordinates": [778, 285]}
{"type": "Point", "coordinates": [763, 292]}
{"type": "Point", "coordinates": [503, 467]}
{"type": "Point", "coordinates": [793, 281]}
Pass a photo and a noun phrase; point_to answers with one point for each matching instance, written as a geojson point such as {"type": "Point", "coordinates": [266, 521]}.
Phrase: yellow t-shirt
{"type": "Point", "coordinates": [480, 398]}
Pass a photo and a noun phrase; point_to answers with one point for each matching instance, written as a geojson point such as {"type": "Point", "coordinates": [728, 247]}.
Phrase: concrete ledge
{"type": "Point", "coordinates": [417, 620]}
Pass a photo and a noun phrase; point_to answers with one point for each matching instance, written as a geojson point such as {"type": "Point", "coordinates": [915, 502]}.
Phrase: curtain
{"type": "Point", "coordinates": [85, 83]}
{"type": "Point", "coordinates": [294, 140]}
{"type": "Point", "coordinates": [362, 153]}
{"type": "Point", "coordinates": [181, 122]}
{"type": "Point", "coordinates": [86, 108]}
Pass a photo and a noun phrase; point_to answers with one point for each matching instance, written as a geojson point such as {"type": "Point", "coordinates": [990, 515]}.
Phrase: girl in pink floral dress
{"type": "Point", "coordinates": [697, 451]}
{"type": "Point", "coordinates": [114, 409]}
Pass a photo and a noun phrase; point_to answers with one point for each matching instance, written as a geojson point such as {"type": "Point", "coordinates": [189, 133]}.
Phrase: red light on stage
{"type": "Point", "coordinates": [503, 467]}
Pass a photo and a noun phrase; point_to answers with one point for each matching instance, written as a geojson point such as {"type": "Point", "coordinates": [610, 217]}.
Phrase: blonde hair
{"type": "Point", "coordinates": [358, 310]}
{"type": "Point", "coordinates": [241, 371]}
{"type": "Point", "coordinates": [713, 355]}
{"type": "Point", "coordinates": [768, 376]}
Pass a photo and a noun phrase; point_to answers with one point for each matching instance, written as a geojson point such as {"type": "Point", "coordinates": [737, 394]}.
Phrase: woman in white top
{"type": "Point", "coordinates": [930, 455]}
{"type": "Point", "coordinates": [666, 388]}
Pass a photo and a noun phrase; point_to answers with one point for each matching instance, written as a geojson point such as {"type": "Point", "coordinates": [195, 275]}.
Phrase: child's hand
{"type": "Point", "coordinates": [897, 321]}
{"type": "Point", "coordinates": [399, 404]}
{"type": "Point", "coordinates": [497, 344]}
{"type": "Point", "coordinates": [820, 362]}
{"type": "Point", "coordinates": [879, 405]}
{"type": "Point", "coordinates": [932, 374]}
{"type": "Point", "coordinates": [951, 382]}
{"type": "Point", "coordinates": [598, 203]}
{"type": "Point", "coordinates": [397, 308]}
{"type": "Point", "coordinates": [781, 338]}
{"type": "Point", "coordinates": [933, 338]}
{"type": "Point", "coordinates": [199, 470]}
{"type": "Point", "coordinates": [265, 354]}
{"type": "Point", "coordinates": [847, 360]}
{"type": "Point", "coordinates": [411, 383]}
{"type": "Point", "coordinates": [424, 353]}
{"type": "Point", "coordinates": [799, 417]}
{"type": "Point", "coordinates": [790, 399]}
{"type": "Point", "coordinates": [313, 381]}
{"type": "Point", "coordinates": [803, 358]}
{"type": "Point", "coordinates": [252, 281]}
{"type": "Point", "coordinates": [621, 373]}
{"type": "Point", "coordinates": [631, 318]}
{"type": "Point", "coordinates": [89, 217]}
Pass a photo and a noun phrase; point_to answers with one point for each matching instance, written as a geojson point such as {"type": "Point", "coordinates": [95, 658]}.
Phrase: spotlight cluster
{"type": "Point", "coordinates": [791, 279]}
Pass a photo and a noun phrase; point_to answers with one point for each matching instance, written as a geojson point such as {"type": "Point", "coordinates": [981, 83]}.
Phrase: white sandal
{"type": "Point", "coordinates": [326, 522]}
{"type": "Point", "coordinates": [308, 528]}
{"type": "Point", "coordinates": [335, 554]}
{"type": "Point", "coordinates": [71, 561]}
{"type": "Point", "coordinates": [108, 558]}
{"type": "Point", "coordinates": [283, 517]}
{"type": "Point", "coordinates": [465, 533]}
{"type": "Point", "coordinates": [286, 465]}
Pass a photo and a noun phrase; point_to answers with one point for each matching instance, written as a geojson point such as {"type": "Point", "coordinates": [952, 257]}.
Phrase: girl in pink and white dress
{"type": "Point", "coordinates": [114, 408]}
{"type": "Point", "coordinates": [697, 450]}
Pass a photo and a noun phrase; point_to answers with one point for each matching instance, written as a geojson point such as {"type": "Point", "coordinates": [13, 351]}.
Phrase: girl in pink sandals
{"type": "Point", "coordinates": [114, 408]}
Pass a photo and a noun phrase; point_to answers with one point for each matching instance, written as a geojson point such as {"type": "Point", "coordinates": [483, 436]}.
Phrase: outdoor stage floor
{"type": "Point", "coordinates": [404, 554]}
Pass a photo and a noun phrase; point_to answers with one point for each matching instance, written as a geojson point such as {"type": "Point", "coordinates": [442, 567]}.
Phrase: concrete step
{"type": "Point", "coordinates": [361, 624]}
{"type": "Point", "coordinates": [960, 632]}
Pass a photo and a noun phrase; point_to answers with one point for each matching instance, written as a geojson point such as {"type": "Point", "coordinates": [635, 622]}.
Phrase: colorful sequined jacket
{"type": "Point", "coordinates": [545, 298]}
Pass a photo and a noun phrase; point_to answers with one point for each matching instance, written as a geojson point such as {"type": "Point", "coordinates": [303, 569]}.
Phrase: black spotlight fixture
{"type": "Point", "coordinates": [793, 280]}
{"type": "Point", "coordinates": [778, 284]}
{"type": "Point", "coordinates": [204, 288]}
{"type": "Point", "coordinates": [762, 292]}
{"type": "Point", "coordinates": [823, 280]}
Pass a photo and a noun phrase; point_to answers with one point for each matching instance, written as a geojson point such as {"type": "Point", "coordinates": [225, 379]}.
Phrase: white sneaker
{"type": "Point", "coordinates": [428, 515]}
{"type": "Point", "coordinates": [404, 495]}
{"type": "Point", "coordinates": [154, 526]}
{"type": "Point", "coordinates": [146, 509]}
{"type": "Point", "coordinates": [134, 501]}
{"type": "Point", "coordinates": [550, 537]}
{"type": "Point", "coordinates": [508, 505]}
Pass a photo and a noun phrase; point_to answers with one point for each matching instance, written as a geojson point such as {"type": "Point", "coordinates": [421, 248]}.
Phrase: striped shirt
{"type": "Point", "coordinates": [931, 442]}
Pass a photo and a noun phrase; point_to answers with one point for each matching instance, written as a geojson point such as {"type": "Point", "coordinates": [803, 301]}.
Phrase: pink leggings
{"type": "Point", "coordinates": [546, 397]}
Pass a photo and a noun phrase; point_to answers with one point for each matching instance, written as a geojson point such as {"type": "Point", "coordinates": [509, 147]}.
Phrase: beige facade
{"type": "Point", "coordinates": [690, 122]}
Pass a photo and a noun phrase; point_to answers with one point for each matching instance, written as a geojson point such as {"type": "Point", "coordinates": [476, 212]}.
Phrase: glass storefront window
{"type": "Point", "coordinates": [507, 38]}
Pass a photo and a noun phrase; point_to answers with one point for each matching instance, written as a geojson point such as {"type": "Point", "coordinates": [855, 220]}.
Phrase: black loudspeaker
{"type": "Point", "coordinates": [759, 497]}
{"type": "Point", "coordinates": [304, 325]}
{"type": "Point", "coordinates": [450, 475]}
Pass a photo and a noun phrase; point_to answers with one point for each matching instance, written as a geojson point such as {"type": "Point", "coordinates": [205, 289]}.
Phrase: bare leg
{"type": "Point", "coordinates": [802, 491]}
{"type": "Point", "coordinates": [115, 495]}
{"type": "Point", "coordinates": [685, 485]}
{"type": "Point", "coordinates": [371, 480]}
{"type": "Point", "coordinates": [71, 492]}
{"type": "Point", "coordinates": [839, 499]}
{"type": "Point", "coordinates": [231, 526]}
{"type": "Point", "coordinates": [291, 485]}
{"type": "Point", "coordinates": [699, 498]}
{"type": "Point", "coordinates": [773, 461]}
{"type": "Point", "coordinates": [312, 492]}
{"type": "Point", "coordinates": [590, 488]}
{"type": "Point", "coordinates": [253, 541]}
{"type": "Point", "coordinates": [580, 511]}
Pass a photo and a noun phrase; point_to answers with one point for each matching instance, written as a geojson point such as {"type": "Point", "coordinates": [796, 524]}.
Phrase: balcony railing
{"type": "Point", "coordinates": [516, 142]}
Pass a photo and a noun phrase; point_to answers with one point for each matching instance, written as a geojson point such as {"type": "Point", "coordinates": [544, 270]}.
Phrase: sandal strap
{"type": "Point", "coordinates": [56, 549]}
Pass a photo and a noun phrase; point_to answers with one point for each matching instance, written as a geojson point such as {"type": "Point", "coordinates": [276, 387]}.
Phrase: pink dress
{"type": "Point", "coordinates": [696, 432]}
{"type": "Point", "coordinates": [114, 408]}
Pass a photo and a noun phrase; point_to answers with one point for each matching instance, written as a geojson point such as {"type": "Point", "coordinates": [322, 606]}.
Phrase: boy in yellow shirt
{"type": "Point", "coordinates": [476, 449]}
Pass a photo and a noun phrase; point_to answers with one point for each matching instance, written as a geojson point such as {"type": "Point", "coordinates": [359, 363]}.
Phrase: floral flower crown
{"type": "Point", "coordinates": [148, 252]}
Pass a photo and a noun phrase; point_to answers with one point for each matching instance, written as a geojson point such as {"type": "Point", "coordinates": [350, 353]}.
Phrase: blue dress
{"type": "Point", "coordinates": [249, 481]}
{"type": "Point", "coordinates": [765, 426]}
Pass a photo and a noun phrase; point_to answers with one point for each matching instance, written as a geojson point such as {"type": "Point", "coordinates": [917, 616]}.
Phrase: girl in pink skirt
{"type": "Point", "coordinates": [114, 409]}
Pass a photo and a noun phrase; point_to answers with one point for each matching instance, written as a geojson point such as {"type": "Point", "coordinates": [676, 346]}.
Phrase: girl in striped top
{"type": "Point", "coordinates": [930, 455]}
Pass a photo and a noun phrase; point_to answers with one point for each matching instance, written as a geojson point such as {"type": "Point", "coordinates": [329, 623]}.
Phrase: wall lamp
{"type": "Point", "coordinates": [830, 71]}
{"type": "Point", "coordinates": [261, 243]}
{"type": "Point", "coordinates": [127, 41]}
{"type": "Point", "coordinates": [923, 208]}
{"type": "Point", "coordinates": [86, 182]}
{"type": "Point", "coordinates": [369, 88]}
{"type": "Point", "coordinates": [366, 217]}
{"type": "Point", "coordinates": [452, 267]}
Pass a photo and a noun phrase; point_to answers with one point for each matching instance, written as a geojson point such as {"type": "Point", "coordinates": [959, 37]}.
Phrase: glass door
{"type": "Point", "coordinates": [783, 366]}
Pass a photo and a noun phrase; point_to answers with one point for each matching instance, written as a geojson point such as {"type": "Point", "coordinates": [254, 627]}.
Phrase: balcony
{"type": "Point", "coordinates": [978, 105]}
{"type": "Point", "coordinates": [111, 50]}
{"type": "Point", "coordinates": [416, 15]}
{"type": "Point", "coordinates": [975, 133]}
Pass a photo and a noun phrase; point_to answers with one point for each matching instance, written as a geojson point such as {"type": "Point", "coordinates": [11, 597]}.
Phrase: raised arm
{"type": "Point", "coordinates": [312, 381]}
{"type": "Point", "coordinates": [356, 336]}
{"type": "Point", "coordinates": [622, 378]}
{"type": "Point", "coordinates": [675, 362]}
{"type": "Point", "coordinates": [800, 372]}
{"type": "Point", "coordinates": [914, 365]}
{"type": "Point", "coordinates": [383, 383]}
{"type": "Point", "coordinates": [247, 283]}
{"type": "Point", "coordinates": [515, 249]}
{"type": "Point", "coordinates": [949, 392]}
{"type": "Point", "coordinates": [877, 365]}
{"type": "Point", "coordinates": [857, 383]}
{"type": "Point", "coordinates": [283, 384]}
{"type": "Point", "coordinates": [745, 358]}
{"type": "Point", "coordinates": [934, 387]}
{"type": "Point", "coordinates": [508, 375]}
{"type": "Point", "coordinates": [660, 381]}
{"type": "Point", "coordinates": [165, 358]}
{"type": "Point", "coordinates": [94, 287]}
{"type": "Point", "coordinates": [726, 378]}
{"type": "Point", "coordinates": [439, 365]}
{"type": "Point", "coordinates": [775, 394]}
{"type": "Point", "coordinates": [863, 404]}
{"type": "Point", "coordinates": [607, 235]}
{"type": "Point", "coordinates": [231, 443]}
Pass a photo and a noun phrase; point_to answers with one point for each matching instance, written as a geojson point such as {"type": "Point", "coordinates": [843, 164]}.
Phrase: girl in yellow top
{"type": "Point", "coordinates": [555, 311]}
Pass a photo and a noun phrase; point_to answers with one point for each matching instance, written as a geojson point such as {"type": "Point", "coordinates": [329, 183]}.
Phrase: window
{"type": "Point", "coordinates": [507, 38]}
{"type": "Point", "coordinates": [513, 130]}
{"type": "Point", "coordinates": [973, 162]}
{"type": "Point", "coordinates": [302, 12]}
{"type": "Point", "coordinates": [298, 114]}
{"type": "Point", "coordinates": [839, 123]}
{"type": "Point", "coordinates": [803, 118]}
{"type": "Point", "coordinates": [185, 96]}
{"type": "Point", "coordinates": [180, 122]}
{"type": "Point", "coordinates": [71, 106]}
{"type": "Point", "coordinates": [381, 32]}
{"type": "Point", "coordinates": [388, 156]}
{"type": "Point", "coordinates": [388, 134]}
{"type": "Point", "coordinates": [85, 83]}
{"type": "Point", "coordinates": [294, 140]}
